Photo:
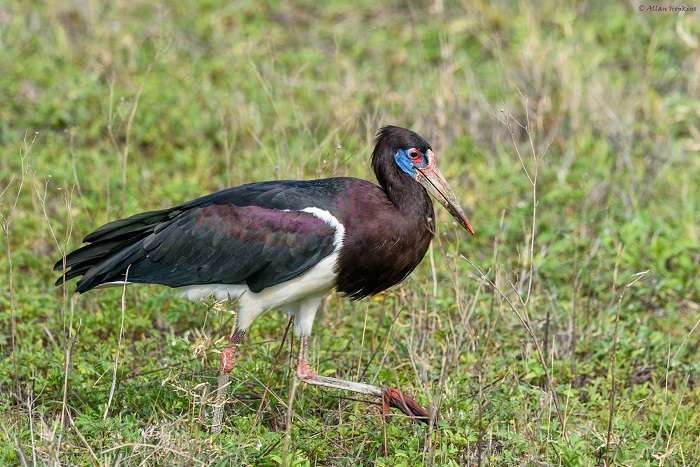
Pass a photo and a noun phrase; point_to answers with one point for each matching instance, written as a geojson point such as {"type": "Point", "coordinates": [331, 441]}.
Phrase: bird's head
{"type": "Point", "coordinates": [414, 157]}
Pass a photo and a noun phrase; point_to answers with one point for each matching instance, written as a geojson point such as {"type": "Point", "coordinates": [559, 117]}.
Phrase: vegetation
{"type": "Point", "coordinates": [563, 333]}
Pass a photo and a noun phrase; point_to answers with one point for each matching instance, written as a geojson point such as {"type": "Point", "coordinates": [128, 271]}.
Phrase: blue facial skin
{"type": "Point", "coordinates": [404, 161]}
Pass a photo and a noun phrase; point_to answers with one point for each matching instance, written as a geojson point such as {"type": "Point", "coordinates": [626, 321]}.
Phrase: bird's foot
{"type": "Point", "coordinates": [394, 398]}
{"type": "Point", "coordinates": [305, 372]}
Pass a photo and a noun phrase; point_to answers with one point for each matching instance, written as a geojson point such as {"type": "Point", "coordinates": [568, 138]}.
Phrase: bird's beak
{"type": "Point", "coordinates": [432, 180]}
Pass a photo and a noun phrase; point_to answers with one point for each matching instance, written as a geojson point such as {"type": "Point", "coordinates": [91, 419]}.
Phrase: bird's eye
{"type": "Point", "coordinates": [415, 155]}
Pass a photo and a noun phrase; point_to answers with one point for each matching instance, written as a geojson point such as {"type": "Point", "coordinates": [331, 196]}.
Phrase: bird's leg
{"type": "Point", "coordinates": [391, 397]}
{"type": "Point", "coordinates": [228, 357]}
{"type": "Point", "coordinates": [304, 371]}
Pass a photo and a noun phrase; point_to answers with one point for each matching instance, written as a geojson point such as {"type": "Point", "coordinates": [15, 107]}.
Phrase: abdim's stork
{"type": "Point", "coordinates": [283, 245]}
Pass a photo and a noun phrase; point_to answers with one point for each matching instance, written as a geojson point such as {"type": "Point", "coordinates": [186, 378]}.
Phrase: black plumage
{"type": "Point", "coordinates": [254, 234]}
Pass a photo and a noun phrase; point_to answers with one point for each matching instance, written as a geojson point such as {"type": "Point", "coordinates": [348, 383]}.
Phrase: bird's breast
{"type": "Point", "coordinates": [381, 247]}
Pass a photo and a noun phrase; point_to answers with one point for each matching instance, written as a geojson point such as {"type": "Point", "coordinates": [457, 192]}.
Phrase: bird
{"type": "Point", "coordinates": [284, 245]}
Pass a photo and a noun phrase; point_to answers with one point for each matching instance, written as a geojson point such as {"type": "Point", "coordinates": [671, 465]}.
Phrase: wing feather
{"type": "Point", "coordinates": [226, 244]}
{"type": "Point", "coordinates": [255, 234]}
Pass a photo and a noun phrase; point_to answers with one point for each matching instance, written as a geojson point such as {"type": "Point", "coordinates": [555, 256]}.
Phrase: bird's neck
{"type": "Point", "coordinates": [409, 197]}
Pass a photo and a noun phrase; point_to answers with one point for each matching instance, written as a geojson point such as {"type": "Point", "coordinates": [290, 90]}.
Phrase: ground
{"type": "Point", "coordinates": [563, 333]}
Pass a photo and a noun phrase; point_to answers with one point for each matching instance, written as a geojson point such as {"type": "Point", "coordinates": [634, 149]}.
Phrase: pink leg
{"type": "Point", "coordinates": [304, 371]}
{"type": "Point", "coordinates": [228, 355]}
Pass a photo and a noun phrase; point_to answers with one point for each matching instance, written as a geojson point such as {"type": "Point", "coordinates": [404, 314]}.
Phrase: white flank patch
{"type": "Point", "coordinates": [331, 220]}
{"type": "Point", "coordinates": [108, 285]}
{"type": "Point", "coordinates": [300, 296]}
{"type": "Point", "coordinates": [220, 292]}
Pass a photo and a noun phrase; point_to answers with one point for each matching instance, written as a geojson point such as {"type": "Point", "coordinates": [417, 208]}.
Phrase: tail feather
{"type": "Point", "coordinates": [82, 260]}
{"type": "Point", "coordinates": [135, 224]}
{"type": "Point", "coordinates": [111, 249]}
{"type": "Point", "coordinates": [113, 268]}
{"type": "Point", "coordinates": [94, 252]}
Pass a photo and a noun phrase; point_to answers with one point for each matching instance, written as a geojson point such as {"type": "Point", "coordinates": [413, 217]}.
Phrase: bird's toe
{"type": "Point", "coordinates": [395, 398]}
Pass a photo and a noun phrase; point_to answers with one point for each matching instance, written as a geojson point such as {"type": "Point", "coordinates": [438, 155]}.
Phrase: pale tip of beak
{"type": "Point", "coordinates": [469, 227]}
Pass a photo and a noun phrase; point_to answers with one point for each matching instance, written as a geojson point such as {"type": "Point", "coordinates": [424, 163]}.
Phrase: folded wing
{"type": "Point", "coordinates": [202, 243]}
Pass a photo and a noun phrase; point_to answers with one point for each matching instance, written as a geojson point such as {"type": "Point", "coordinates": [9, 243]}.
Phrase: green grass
{"type": "Point", "coordinates": [111, 108]}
